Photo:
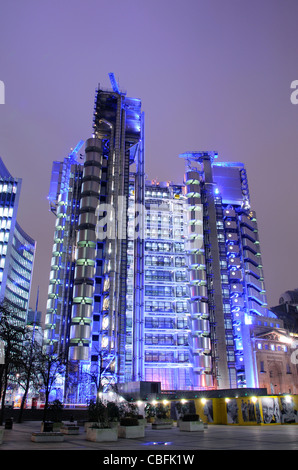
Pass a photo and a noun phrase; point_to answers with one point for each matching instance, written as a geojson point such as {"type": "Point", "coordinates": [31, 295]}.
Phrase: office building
{"type": "Point", "coordinates": [163, 343]}
{"type": "Point", "coordinates": [86, 309]}
{"type": "Point", "coordinates": [275, 351]}
{"type": "Point", "coordinates": [17, 250]}
{"type": "Point", "coordinates": [151, 281]}
{"type": "Point", "coordinates": [287, 310]}
{"type": "Point", "coordinates": [234, 288]}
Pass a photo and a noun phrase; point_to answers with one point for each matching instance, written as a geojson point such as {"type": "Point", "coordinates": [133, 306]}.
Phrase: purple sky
{"type": "Point", "coordinates": [211, 74]}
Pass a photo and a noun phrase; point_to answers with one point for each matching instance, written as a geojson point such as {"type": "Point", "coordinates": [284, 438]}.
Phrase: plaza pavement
{"type": "Point", "coordinates": [215, 437]}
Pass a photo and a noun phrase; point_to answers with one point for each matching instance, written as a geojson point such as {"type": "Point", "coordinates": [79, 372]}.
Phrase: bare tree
{"type": "Point", "coordinates": [28, 372]}
{"type": "Point", "coordinates": [49, 368]}
{"type": "Point", "coordinates": [99, 373]}
{"type": "Point", "coordinates": [11, 334]}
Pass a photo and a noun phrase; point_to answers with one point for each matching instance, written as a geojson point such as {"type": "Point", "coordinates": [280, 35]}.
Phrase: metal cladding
{"type": "Point", "coordinates": [81, 325]}
{"type": "Point", "coordinates": [228, 281]}
{"type": "Point", "coordinates": [86, 309]}
{"type": "Point", "coordinates": [199, 336]}
{"type": "Point", "coordinates": [64, 205]}
{"type": "Point", "coordinates": [118, 123]}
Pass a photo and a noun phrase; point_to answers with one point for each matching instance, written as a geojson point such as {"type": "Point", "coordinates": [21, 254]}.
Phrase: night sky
{"type": "Point", "coordinates": [211, 74]}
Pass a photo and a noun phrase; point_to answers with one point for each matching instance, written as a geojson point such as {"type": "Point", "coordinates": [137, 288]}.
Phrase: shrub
{"type": "Point", "coordinates": [113, 411]}
{"type": "Point", "coordinates": [56, 411]}
{"type": "Point", "coordinates": [97, 412]}
{"type": "Point", "coordinates": [162, 411]}
{"type": "Point", "coordinates": [127, 409]}
{"type": "Point", "coordinates": [190, 417]}
{"type": "Point", "coordinates": [127, 421]}
{"type": "Point", "coordinates": [150, 410]}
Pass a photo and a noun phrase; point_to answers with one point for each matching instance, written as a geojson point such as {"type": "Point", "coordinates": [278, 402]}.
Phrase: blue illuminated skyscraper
{"type": "Point", "coordinates": [234, 288]}
{"type": "Point", "coordinates": [203, 278]}
{"type": "Point", "coordinates": [151, 281]}
{"type": "Point", "coordinates": [17, 250]}
{"type": "Point", "coordinates": [169, 343]}
{"type": "Point", "coordinates": [86, 317]}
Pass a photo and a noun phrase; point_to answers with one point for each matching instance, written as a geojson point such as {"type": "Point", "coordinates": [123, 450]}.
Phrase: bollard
{"type": "Point", "coordinates": [8, 423]}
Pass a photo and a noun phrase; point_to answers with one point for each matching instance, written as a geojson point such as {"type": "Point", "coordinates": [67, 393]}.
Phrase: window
{"type": "Point", "coordinates": [182, 323]}
{"type": "Point", "coordinates": [156, 356]}
{"type": "Point", "coordinates": [179, 247]}
{"type": "Point", "coordinates": [229, 340]}
{"type": "Point", "coordinates": [152, 275]}
{"type": "Point", "coordinates": [181, 307]}
{"type": "Point", "coordinates": [230, 356]}
{"type": "Point", "coordinates": [262, 366]}
{"type": "Point", "coordinates": [179, 261]}
{"type": "Point", "coordinates": [227, 308]}
{"type": "Point", "coordinates": [183, 356]}
{"type": "Point", "coordinates": [159, 322]}
{"type": "Point", "coordinates": [225, 293]}
{"type": "Point", "coordinates": [180, 276]}
{"type": "Point", "coordinates": [161, 306]}
{"type": "Point", "coordinates": [158, 291]}
{"type": "Point", "coordinates": [181, 291]}
{"type": "Point", "coordinates": [182, 340]}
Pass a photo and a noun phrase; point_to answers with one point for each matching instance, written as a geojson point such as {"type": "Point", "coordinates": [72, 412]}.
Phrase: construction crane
{"type": "Point", "coordinates": [114, 83]}
{"type": "Point", "coordinates": [75, 151]}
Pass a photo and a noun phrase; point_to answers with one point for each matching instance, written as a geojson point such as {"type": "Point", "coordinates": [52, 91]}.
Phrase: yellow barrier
{"type": "Point", "coordinates": [247, 411]}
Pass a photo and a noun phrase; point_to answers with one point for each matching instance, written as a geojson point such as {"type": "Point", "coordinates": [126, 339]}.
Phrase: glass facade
{"type": "Point", "coordinates": [64, 203]}
{"type": "Point", "coordinates": [17, 249]}
{"type": "Point", "coordinates": [166, 353]}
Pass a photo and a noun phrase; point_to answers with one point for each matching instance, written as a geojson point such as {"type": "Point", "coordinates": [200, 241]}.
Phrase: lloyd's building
{"type": "Point", "coordinates": [153, 282]}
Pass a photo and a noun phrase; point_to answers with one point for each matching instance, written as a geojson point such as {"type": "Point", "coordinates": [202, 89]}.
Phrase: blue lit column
{"type": "Point", "coordinates": [199, 336]}
{"type": "Point", "coordinates": [81, 320]}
